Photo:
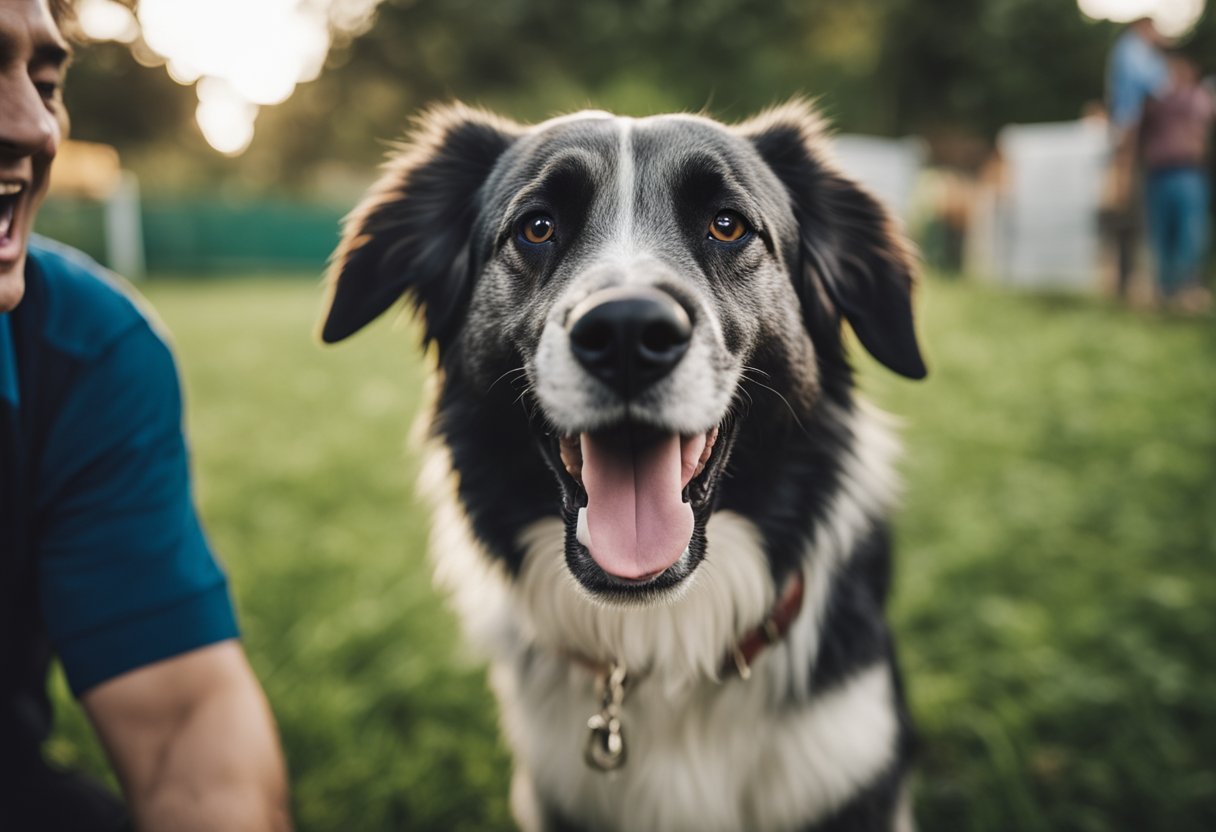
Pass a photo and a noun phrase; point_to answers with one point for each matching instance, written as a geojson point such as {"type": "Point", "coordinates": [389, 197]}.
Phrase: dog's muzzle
{"type": "Point", "coordinates": [637, 519]}
{"type": "Point", "coordinates": [629, 337]}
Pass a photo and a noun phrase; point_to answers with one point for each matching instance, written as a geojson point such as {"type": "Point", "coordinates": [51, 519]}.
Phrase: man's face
{"type": "Point", "coordinates": [33, 58]}
{"type": "Point", "coordinates": [1149, 32]}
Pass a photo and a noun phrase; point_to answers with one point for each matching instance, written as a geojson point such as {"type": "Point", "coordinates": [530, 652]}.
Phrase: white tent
{"type": "Point", "coordinates": [888, 167]}
{"type": "Point", "coordinates": [1044, 228]}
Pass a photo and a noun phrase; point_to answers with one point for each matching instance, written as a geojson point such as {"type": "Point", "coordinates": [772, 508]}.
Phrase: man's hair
{"type": "Point", "coordinates": [64, 12]}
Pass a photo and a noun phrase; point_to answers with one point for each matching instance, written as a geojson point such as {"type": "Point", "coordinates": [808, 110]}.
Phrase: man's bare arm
{"type": "Point", "coordinates": [194, 744]}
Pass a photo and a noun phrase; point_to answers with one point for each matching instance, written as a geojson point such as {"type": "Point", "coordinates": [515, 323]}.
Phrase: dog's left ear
{"type": "Point", "coordinates": [411, 235]}
{"type": "Point", "coordinates": [848, 243]}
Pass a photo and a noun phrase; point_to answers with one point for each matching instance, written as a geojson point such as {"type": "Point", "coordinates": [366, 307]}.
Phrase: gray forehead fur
{"type": "Point", "coordinates": [659, 147]}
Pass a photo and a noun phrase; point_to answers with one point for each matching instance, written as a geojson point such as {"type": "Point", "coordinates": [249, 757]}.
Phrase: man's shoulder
{"type": "Point", "coordinates": [87, 308]}
{"type": "Point", "coordinates": [1123, 45]}
{"type": "Point", "coordinates": [1136, 54]}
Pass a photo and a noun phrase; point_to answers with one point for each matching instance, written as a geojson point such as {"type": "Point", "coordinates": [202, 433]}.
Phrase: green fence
{"type": "Point", "coordinates": [77, 222]}
{"type": "Point", "coordinates": [207, 237]}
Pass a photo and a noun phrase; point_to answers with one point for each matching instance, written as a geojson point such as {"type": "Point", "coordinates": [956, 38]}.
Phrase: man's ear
{"type": "Point", "coordinates": [849, 247]}
{"type": "Point", "coordinates": [411, 234]}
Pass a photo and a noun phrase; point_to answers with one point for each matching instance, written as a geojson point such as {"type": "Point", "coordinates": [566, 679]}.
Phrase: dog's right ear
{"type": "Point", "coordinates": [411, 234]}
{"type": "Point", "coordinates": [849, 246]}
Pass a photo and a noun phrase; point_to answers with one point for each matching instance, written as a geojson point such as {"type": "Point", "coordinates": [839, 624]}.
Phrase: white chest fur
{"type": "Point", "coordinates": [718, 758]}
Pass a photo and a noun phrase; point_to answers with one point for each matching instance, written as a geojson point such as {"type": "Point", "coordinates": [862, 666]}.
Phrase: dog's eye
{"type": "Point", "coordinates": [537, 229]}
{"type": "Point", "coordinates": [728, 227]}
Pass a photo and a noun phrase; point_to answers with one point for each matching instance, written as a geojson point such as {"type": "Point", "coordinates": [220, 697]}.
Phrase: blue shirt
{"type": "Point", "coordinates": [102, 558]}
{"type": "Point", "coordinates": [1135, 72]}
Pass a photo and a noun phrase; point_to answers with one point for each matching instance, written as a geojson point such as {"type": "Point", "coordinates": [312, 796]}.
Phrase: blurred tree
{"type": "Point", "coordinates": [983, 65]}
{"type": "Point", "coordinates": [963, 67]}
{"type": "Point", "coordinates": [1201, 44]}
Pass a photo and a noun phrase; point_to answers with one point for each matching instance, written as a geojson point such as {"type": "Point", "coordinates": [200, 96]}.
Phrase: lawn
{"type": "Point", "coordinates": [1055, 599]}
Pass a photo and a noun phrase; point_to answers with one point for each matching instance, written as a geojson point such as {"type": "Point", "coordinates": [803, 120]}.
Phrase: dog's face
{"type": "Point", "coordinates": [630, 276]}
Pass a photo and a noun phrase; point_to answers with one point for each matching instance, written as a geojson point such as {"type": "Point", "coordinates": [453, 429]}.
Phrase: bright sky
{"type": "Point", "coordinates": [1173, 17]}
{"type": "Point", "coordinates": [236, 69]}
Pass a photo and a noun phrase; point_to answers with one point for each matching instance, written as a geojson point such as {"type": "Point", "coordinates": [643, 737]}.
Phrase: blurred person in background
{"type": "Point", "coordinates": [1136, 71]}
{"type": "Point", "coordinates": [1174, 142]}
{"type": "Point", "coordinates": [102, 558]}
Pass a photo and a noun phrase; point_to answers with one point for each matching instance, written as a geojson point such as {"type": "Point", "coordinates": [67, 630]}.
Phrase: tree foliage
{"type": "Point", "coordinates": [963, 67]}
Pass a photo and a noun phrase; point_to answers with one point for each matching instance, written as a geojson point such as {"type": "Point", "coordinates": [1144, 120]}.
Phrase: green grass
{"type": "Point", "coordinates": [1055, 599]}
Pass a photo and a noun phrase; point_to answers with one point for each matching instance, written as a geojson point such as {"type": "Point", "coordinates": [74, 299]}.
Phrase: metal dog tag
{"type": "Point", "coordinates": [605, 748]}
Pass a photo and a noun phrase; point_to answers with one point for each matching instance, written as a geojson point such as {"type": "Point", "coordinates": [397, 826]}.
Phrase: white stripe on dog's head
{"type": "Point", "coordinates": [627, 185]}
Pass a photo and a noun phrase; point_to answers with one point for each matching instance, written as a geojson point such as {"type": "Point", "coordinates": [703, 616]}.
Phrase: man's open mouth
{"type": "Point", "coordinates": [10, 196]}
{"type": "Point", "coordinates": [636, 493]}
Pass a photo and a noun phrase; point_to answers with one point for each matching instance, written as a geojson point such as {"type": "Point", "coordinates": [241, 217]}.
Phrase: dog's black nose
{"type": "Point", "coordinates": [629, 337]}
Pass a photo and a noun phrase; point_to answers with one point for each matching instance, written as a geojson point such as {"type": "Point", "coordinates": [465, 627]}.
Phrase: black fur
{"type": "Point", "coordinates": [413, 233]}
{"type": "Point", "coordinates": [847, 244]}
{"type": "Point", "coordinates": [854, 632]}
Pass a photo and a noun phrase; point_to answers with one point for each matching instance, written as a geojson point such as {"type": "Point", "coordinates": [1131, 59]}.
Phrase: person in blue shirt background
{"type": "Point", "coordinates": [102, 558]}
{"type": "Point", "coordinates": [1136, 71]}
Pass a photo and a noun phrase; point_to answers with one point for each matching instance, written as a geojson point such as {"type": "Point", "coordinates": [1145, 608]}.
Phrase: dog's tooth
{"type": "Point", "coordinates": [582, 532]}
{"type": "Point", "coordinates": [10, 188]}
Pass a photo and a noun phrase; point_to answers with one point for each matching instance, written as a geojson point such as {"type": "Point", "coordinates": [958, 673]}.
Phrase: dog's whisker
{"type": "Point", "coordinates": [515, 372]}
{"type": "Point", "coordinates": [786, 402]}
{"type": "Point", "coordinates": [746, 404]}
{"type": "Point", "coordinates": [529, 401]}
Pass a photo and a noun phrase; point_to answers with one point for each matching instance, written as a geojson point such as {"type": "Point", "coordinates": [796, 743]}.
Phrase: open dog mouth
{"type": "Point", "coordinates": [637, 494]}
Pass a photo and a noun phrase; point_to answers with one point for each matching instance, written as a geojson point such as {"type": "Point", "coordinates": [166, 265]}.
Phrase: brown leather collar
{"type": "Point", "coordinates": [738, 659]}
{"type": "Point", "coordinates": [770, 631]}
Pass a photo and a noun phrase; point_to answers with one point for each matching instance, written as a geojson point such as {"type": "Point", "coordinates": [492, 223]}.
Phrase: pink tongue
{"type": "Point", "coordinates": [637, 522]}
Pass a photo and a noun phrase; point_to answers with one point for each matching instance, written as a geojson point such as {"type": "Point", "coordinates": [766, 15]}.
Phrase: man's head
{"type": "Point", "coordinates": [1147, 29]}
{"type": "Point", "coordinates": [33, 58]}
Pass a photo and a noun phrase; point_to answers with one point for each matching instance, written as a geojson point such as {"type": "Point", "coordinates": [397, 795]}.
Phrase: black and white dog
{"type": "Point", "coordinates": [658, 503]}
